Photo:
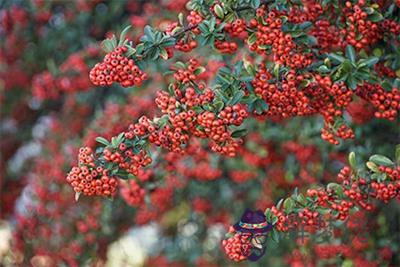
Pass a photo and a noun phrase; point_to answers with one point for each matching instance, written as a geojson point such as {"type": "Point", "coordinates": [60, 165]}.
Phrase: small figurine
{"type": "Point", "coordinates": [254, 225]}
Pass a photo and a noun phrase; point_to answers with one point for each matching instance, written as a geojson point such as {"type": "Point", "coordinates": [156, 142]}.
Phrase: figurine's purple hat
{"type": "Point", "coordinates": [253, 222]}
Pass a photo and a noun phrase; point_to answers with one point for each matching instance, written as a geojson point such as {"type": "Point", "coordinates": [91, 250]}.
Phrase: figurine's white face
{"type": "Point", "coordinates": [258, 241]}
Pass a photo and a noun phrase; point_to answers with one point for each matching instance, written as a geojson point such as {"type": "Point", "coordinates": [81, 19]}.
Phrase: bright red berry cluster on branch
{"type": "Point", "coordinates": [117, 68]}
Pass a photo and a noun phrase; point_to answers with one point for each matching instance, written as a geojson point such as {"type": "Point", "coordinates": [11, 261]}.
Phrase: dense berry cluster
{"type": "Point", "coordinates": [361, 32]}
{"type": "Point", "coordinates": [90, 180]}
{"type": "Point", "coordinates": [387, 104]}
{"type": "Point", "coordinates": [272, 40]}
{"type": "Point", "coordinates": [68, 79]}
{"type": "Point", "coordinates": [237, 247]}
{"type": "Point", "coordinates": [117, 68]}
{"type": "Point", "coordinates": [132, 193]}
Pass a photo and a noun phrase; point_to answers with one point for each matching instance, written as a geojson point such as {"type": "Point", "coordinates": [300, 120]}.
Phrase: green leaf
{"type": "Point", "coordinates": [236, 98]}
{"type": "Point", "coordinates": [301, 199]}
{"type": "Point", "coordinates": [260, 106]}
{"type": "Point", "coordinates": [279, 205]}
{"type": "Point", "coordinates": [268, 214]}
{"type": "Point", "coordinates": [323, 211]}
{"type": "Point", "coordinates": [336, 188]}
{"type": "Point", "coordinates": [375, 17]}
{"type": "Point", "coordinates": [396, 83]}
{"type": "Point", "coordinates": [397, 154]}
{"type": "Point", "coordinates": [323, 69]}
{"type": "Point", "coordinates": [381, 160]}
{"type": "Point", "coordinates": [255, 3]}
{"type": "Point", "coordinates": [288, 205]}
{"type": "Point", "coordinates": [130, 51]}
{"type": "Point", "coordinates": [372, 166]}
{"type": "Point", "coordinates": [276, 70]}
{"type": "Point", "coordinates": [370, 62]}
{"type": "Point", "coordinates": [352, 160]}
{"type": "Point", "coordinates": [102, 140]}
{"type": "Point", "coordinates": [180, 19]}
{"type": "Point", "coordinates": [219, 105]}
{"type": "Point", "coordinates": [107, 46]}
{"type": "Point", "coordinates": [336, 57]}
{"type": "Point", "coordinates": [163, 53]}
{"type": "Point", "coordinates": [239, 133]}
{"type": "Point", "coordinates": [219, 11]}
{"type": "Point", "coordinates": [351, 82]}
{"type": "Point", "coordinates": [123, 35]}
{"type": "Point", "coordinates": [275, 235]}
{"type": "Point", "coordinates": [199, 70]}
{"type": "Point", "coordinates": [351, 53]}
{"type": "Point", "coordinates": [148, 32]}
{"type": "Point", "coordinates": [252, 38]}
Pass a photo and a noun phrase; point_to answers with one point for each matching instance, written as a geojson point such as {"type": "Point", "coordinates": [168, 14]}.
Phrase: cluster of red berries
{"type": "Point", "coordinates": [225, 47]}
{"type": "Point", "coordinates": [386, 103]}
{"type": "Point", "coordinates": [201, 167]}
{"type": "Point", "coordinates": [360, 111]}
{"type": "Point", "coordinates": [281, 45]}
{"type": "Point", "coordinates": [242, 176]}
{"type": "Point", "coordinates": [194, 19]}
{"type": "Point", "coordinates": [282, 223]}
{"type": "Point", "coordinates": [117, 68]}
{"type": "Point", "coordinates": [309, 218]}
{"type": "Point", "coordinates": [327, 35]}
{"type": "Point", "coordinates": [343, 209]}
{"type": "Point", "coordinates": [49, 86]}
{"type": "Point", "coordinates": [309, 12]}
{"type": "Point", "coordinates": [161, 198]}
{"type": "Point", "coordinates": [186, 75]}
{"type": "Point", "coordinates": [383, 70]}
{"type": "Point", "coordinates": [237, 28]}
{"type": "Point", "coordinates": [330, 134]}
{"type": "Point", "coordinates": [283, 98]}
{"type": "Point", "coordinates": [44, 86]}
{"type": "Point", "coordinates": [170, 137]}
{"type": "Point", "coordinates": [385, 192]}
{"type": "Point", "coordinates": [391, 172]}
{"type": "Point", "coordinates": [390, 26]}
{"type": "Point", "coordinates": [303, 153]}
{"type": "Point", "coordinates": [145, 215]}
{"type": "Point", "coordinates": [360, 32]}
{"type": "Point", "coordinates": [132, 193]}
{"type": "Point", "coordinates": [88, 227]}
{"type": "Point", "coordinates": [216, 129]}
{"type": "Point", "coordinates": [92, 182]}
{"type": "Point", "coordinates": [237, 248]}
{"type": "Point", "coordinates": [201, 205]}
{"type": "Point", "coordinates": [165, 102]}
{"type": "Point", "coordinates": [327, 251]}
{"type": "Point", "coordinates": [187, 46]}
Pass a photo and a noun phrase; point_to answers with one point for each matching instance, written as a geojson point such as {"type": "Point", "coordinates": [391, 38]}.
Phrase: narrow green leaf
{"type": "Point", "coordinates": [219, 11]}
{"type": "Point", "coordinates": [336, 57]}
{"type": "Point", "coordinates": [381, 160]}
{"type": "Point", "coordinates": [107, 46]}
{"type": "Point", "coordinates": [352, 160]}
{"type": "Point", "coordinates": [370, 62]}
{"type": "Point", "coordinates": [351, 53]}
{"type": "Point", "coordinates": [123, 35]}
{"type": "Point", "coordinates": [102, 140]}
{"type": "Point", "coordinates": [239, 133]}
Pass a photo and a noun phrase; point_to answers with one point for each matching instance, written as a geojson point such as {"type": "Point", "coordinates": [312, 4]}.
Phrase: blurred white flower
{"type": "Point", "coordinates": [5, 238]}
{"type": "Point", "coordinates": [132, 249]}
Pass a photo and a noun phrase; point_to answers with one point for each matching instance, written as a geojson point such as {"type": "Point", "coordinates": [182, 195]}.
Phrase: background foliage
{"type": "Point", "coordinates": [49, 108]}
